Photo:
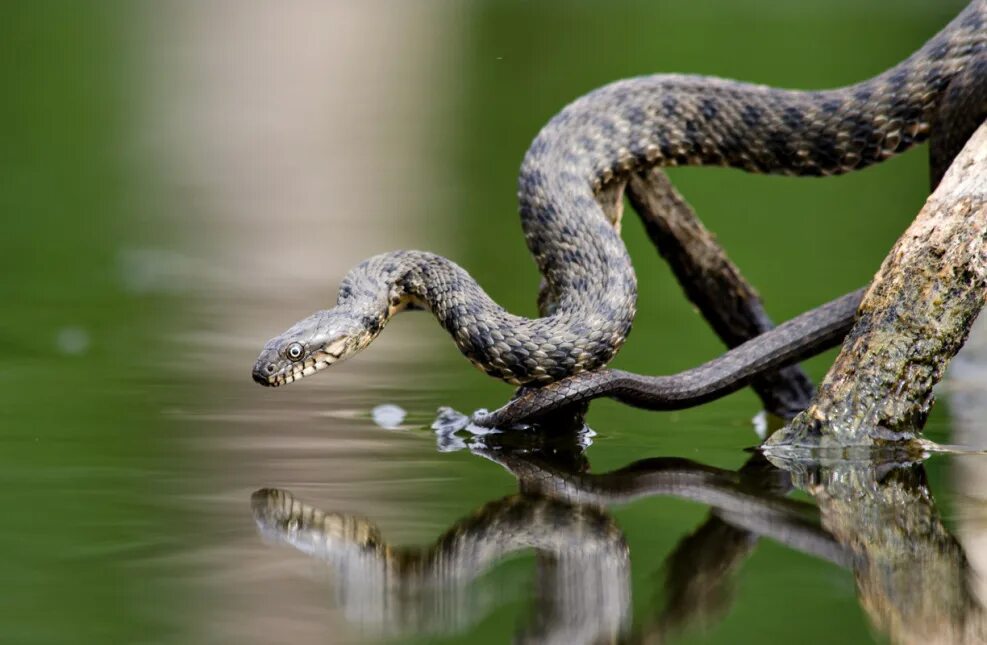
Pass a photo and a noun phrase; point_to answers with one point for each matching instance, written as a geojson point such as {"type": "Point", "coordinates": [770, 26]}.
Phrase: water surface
{"type": "Point", "coordinates": [182, 182]}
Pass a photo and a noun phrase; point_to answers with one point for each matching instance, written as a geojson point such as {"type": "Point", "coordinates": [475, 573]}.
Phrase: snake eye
{"type": "Point", "coordinates": [294, 351]}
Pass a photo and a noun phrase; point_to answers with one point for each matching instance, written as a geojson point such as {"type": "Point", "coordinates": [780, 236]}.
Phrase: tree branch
{"type": "Point", "coordinates": [913, 319]}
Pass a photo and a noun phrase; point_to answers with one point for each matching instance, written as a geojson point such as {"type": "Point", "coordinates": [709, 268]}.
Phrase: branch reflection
{"type": "Point", "coordinates": [875, 517]}
{"type": "Point", "coordinates": [913, 577]}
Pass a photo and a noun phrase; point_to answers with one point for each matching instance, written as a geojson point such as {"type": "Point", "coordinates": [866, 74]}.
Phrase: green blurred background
{"type": "Point", "coordinates": [78, 385]}
{"type": "Point", "coordinates": [92, 538]}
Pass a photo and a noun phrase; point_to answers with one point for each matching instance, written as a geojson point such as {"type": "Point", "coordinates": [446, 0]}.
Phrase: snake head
{"type": "Point", "coordinates": [313, 344]}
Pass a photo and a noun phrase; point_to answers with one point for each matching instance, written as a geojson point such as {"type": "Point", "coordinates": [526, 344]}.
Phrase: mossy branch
{"type": "Point", "coordinates": [914, 318]}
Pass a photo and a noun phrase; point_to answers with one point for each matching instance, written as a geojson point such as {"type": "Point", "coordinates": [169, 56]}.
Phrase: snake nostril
{"type": "Point", "coordinates": [269, 369]}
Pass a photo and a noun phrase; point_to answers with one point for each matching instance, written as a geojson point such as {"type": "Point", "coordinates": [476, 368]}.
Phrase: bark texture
{"type": "Point", "coordinates": [915, 317]}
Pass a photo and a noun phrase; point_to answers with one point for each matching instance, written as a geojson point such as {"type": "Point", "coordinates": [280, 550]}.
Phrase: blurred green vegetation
{"type": "Point", "coordinates": [76, 393]}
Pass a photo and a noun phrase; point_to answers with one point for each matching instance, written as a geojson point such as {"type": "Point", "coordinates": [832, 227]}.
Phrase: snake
{"type": "Point", "coordinates": [587, 300]}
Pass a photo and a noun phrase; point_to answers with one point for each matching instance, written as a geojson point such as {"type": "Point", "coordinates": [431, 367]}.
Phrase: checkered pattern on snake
{"type": "Point", "coordinates": [589, 290]}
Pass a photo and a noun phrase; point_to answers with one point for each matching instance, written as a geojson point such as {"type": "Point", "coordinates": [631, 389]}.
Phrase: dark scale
{"type": "Point", "coordinates": [669, 106]}
{"type": "Point", "coordinates": [751, 115]}
{"type": "Point", "coordinates": [590, 283]}
{"type": "Point", "coordinates": [793, 118]}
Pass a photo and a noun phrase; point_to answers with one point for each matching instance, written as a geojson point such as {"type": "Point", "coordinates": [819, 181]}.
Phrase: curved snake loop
{"type": "Point", "coordinates": [582, 156]}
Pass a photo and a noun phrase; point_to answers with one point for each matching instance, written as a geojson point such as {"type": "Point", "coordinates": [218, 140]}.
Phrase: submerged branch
{"type": "Point", "coordinates": [913, 319]}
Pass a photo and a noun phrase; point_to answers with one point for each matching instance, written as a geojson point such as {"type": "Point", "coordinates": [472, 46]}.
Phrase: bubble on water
{"type": "Point", "coordinates": [448, 420]}
{"type": "Point", "coordinates": [72, 340]}
{"type": "Point", "coordinates": [760, 423]}
{"type": "Point", "coordinates": [479, 431]}
{"type": "Point", "coordinates": [447, 423]}
{"type": "Point", "coordinates": [388, 416]}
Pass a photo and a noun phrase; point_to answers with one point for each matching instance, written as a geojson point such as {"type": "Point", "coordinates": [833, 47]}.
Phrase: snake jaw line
{"type": "Point", "coordinates": [318, 361]}
{"type": "Point", "coordinates": [326, 338]}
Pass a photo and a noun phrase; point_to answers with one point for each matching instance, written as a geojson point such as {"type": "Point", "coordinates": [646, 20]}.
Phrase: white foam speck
{"type": "Point", "coordinates": [388, 415]}
{"type": "Point", "coordinates": [448, 421]}
{"type": "Point", "coordinates": [760, 423]}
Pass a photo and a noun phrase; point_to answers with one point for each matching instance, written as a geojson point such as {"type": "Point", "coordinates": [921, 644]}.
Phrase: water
{"type": "Point", "coordinates": [183, 181]}
{"type": "Point", "coordinates": [440, 545]}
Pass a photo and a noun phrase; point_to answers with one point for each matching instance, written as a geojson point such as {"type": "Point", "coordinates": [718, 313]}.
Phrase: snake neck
{"type": "Point", "coordinates": [582, 334]}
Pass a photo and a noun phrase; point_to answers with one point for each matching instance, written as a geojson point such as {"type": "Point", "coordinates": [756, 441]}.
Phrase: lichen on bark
{"type": "Point", "coordinates": [914, 318]}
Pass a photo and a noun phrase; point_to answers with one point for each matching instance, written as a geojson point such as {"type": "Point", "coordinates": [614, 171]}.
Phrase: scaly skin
{"type": "Point", "coordinates": [816, 331]}
{"type": "Point", "coordinates": [592, 146]}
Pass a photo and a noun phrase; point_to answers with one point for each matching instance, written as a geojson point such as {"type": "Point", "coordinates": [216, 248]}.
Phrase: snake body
{"type": "Point", "coordinates": [815, 331]}
{"type": "Point", "coordinates": [589, 290]}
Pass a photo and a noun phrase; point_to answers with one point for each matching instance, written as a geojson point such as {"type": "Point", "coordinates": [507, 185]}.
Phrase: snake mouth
{"type": "Point", "coordinates": [319, 360]}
